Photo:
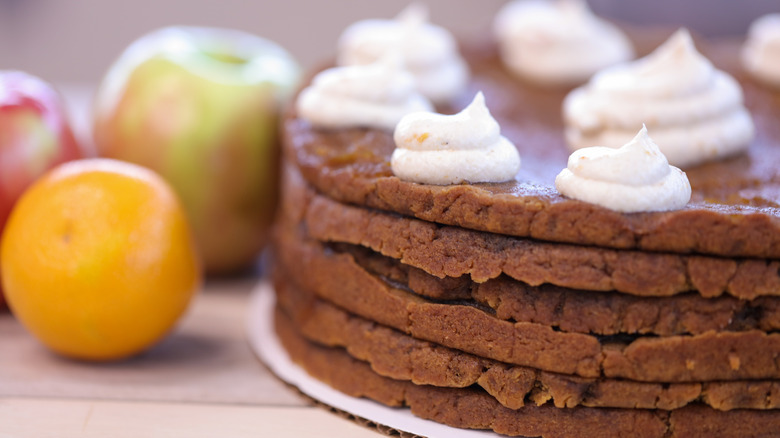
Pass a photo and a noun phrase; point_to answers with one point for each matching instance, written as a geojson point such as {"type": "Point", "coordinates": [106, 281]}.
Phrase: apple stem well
{"type": "Point", "coordinates": [227, 58]}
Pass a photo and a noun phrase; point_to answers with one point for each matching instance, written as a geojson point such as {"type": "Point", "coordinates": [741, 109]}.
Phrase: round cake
{"type": "Point", "coordinates": [507, 305]}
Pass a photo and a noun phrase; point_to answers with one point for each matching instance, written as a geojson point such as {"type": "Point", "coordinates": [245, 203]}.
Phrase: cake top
{"type": "Point", "coordinates": [635, 177]}
{"type": "Point", "coordinates": [374, 95]}
{"type": "Point", "coordinates": [734, 208]}
{"type": "Point", "coordinates": [557, 42]}
{"type": "Point", "coordinates": [433, 148]}
{"type": "Point", "coordinates": [694, 110]}
{"type": "Point", "coordinates": [428, 51]}
{"type": "Point", "coordinates": [761, 53]}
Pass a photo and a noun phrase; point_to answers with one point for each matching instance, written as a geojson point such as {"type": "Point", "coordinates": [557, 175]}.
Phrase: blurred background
{"type": "Point", "coordinates": [74, 41]}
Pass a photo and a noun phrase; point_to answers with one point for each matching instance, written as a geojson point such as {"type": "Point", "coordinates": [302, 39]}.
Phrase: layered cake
{"type": "Point", "coordinates": [517, 236]}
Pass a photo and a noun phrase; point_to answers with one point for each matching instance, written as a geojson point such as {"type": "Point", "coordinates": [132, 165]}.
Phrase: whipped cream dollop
{"type": "Point", "coordinates": [429, 52]}
{"type": "Point", "coordinates": [449, 149]}
{"type": "Point", "coordinates": [635, 177]}
{"type": "Point", "coordinates": [376, 95]}
{"type": "Point", "coordinates": [557, 42]}
{"type": "Point", "coordinates": [695, 111]}
{"type": "Point", "coordinates": [761, 52]}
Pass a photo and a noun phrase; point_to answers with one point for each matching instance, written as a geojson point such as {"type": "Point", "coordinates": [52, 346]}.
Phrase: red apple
{"type": "Point", "coordinates": [200, 106]}
{"type": "Point", "coordinates": [35, 135]}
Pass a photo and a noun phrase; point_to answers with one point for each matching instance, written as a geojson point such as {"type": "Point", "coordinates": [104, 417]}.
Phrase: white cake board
{"type": "Point", "coordinates": [265, 343]}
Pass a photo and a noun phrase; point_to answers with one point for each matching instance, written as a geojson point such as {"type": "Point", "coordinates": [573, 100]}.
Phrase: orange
{"type": "Point", "coordinates": [97, 259]}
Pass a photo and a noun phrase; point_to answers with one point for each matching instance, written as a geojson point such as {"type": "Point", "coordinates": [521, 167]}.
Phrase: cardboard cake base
{"type": "Point", "coordinates": [265, 344]}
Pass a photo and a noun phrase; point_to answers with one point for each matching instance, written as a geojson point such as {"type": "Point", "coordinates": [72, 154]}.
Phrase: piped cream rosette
{"type": "Point", "coordinates": [449, 149]}
{"type": "Point", "coordinates": [633, 178]}
{"type": "Point", "coordinates": [761, 52]}
{"type": "Point", "coordinates": [376, 95]}
{"type": "Point", "coordinates": [428, 51]}
{"type": "Point", "coordinates": [695, 111]}
{"type": "Point", "coordinates": [557, 42]}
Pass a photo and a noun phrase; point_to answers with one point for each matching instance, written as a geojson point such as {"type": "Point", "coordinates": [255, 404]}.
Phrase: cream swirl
{"type": "Point", "coordinates": [696, 112]}
{"type": "Point", "coordinates": [761, 52]}
{"type": "Point", "coordinates": [557, 43]}
{"type": "Point", "coordinates": [377, 95]}
{"type": "Point", "coordinates": [429, 52]}
{"type": "Point", "coordinates": [449, 149]}
{"type": "Point", "coordinates": [635, 177]}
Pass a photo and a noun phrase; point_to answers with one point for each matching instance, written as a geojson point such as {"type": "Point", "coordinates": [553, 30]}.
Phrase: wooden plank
{"type": "Point", "coordinates": [207, 359]}
{"type": "Point", "coordinates": [43, 418]}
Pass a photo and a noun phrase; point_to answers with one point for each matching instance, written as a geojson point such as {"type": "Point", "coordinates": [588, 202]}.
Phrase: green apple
{"type": "Point", "coordinates": [201, 107]}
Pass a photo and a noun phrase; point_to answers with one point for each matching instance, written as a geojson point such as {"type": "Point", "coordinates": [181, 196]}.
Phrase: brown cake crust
{"type": "Point", "coordinates": [446, 251]}
{"type": "Point", "coordinates": [603, 313]}
{"type": "Point", "coordinates": [399, 356]}
{"type": "Point", "coordinates": [450, 251]}
{"type": "Point", "coordinates": [734, 209]}
{"type": "Point", "coordinates": [471, 408]}
{"type": "Point", "coordinates": [710, 356]}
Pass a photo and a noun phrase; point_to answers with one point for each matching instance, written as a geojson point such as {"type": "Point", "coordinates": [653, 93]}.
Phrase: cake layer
{"type": "Point", "coordinates": [475, 409]}
{"type": "Point", "coordinates": [399, 356]}
{"type": "Point", "coordinates": [452, 251]}
{"type": "Point", "coordinates": [710, 356]}
{"type": "Point", "coordinates": [733, 212]}
{"type": "Point", "coordinates": [571, 310]}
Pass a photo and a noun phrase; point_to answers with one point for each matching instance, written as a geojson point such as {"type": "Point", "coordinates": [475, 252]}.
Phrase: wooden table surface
{"type": "Point", "coordinates": [203, 380]}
